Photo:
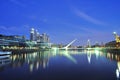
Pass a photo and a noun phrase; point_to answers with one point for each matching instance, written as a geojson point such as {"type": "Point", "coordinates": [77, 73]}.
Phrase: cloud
{"type": "Point", "coordinates": [87, 17]}
{"type": "Point", "coordinates": [82, 28]}
{"type": "Point", "coordinates": [35, 17]}
{"type": "Point", "coordinates": [75, 29]}
{"type": "Point", "coordinates": [3, 28]}
{"type": "Point", "coordinates": [82, 31]}
{"type": "Point", "coordinates": [18, 3]}
{"type": "Point", "coordinates": [32, 17]}
{"type": "Point", "coordinates": [91, 31]}
{"type": "Point", "coordinates": [14, 30]}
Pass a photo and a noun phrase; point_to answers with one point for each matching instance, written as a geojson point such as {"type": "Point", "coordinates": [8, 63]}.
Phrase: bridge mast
{"type": "Point", "coordinates": [70, 43]}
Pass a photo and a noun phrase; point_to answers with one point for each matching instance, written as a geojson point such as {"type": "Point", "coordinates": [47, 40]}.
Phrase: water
{"type": "Point", "coordinates": [61, 65]}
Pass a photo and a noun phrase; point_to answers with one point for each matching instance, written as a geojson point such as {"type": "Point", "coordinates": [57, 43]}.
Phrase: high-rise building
{"type": "Point", "coordinates": [35, 36]}
{"type": "Point", "coordinates": [32, 33]}
{"type": "Point", "coordinates": [38, 37]}
{"type": "Point", "coordinates": [88, 43]}
{"type": "Point", "coordinates": [45, 37]}
{"type": "Point", "coordinates": [42, 40]}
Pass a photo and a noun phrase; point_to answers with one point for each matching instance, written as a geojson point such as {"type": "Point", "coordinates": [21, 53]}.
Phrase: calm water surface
{"type": "Point", "coordinates": [60, 65]}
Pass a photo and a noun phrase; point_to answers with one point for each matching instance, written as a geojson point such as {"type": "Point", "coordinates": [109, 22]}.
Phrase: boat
{"type": "Point", "coordinates": [5, 53]}
{"type": "Point", "coordinates": [4, 58]}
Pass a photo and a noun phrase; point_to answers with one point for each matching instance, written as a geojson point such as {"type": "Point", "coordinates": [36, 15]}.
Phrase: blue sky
{"type": "Point", "coordinates": [62, 20]}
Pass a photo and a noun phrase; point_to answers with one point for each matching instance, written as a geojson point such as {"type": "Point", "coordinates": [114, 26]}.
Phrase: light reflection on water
{"type": "Point", "coordinates": [41, 60]}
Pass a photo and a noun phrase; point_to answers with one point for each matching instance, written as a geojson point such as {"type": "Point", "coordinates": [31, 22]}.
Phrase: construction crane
{"type": "Point", "coordinates": [117, 39]}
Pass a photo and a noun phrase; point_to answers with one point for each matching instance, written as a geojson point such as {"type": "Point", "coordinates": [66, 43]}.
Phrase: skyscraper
{"type": "Point", "coordinates": [35, 36]}
{"type": "Point", "coordinates": [38, 37]}
{"type": "Point", "coordinates": [32, 33]}
{"type": "Point", "coordinates": [45, 37]}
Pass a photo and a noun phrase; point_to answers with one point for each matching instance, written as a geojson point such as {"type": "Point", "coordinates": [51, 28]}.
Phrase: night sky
{"type": "Point", "coordinates": [62, 20]}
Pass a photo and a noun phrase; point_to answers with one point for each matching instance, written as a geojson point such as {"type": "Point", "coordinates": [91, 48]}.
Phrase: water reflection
{"type": "Point", "coordinates": [66, 54]}
{"type": "Point", "coordinates": [41, 59]}
{"type": "Point", "coordinates": [95, 52]}
{"type": "Point", "coordinates": [115, 57]}
{"type": "Point", "coordinates": [38, 59]}
{"type": "Point", "coordinates": [34, 60]}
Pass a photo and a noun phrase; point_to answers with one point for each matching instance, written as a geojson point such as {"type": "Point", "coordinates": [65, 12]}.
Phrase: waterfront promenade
{"type": "Point", "coordinates": [34, 49]}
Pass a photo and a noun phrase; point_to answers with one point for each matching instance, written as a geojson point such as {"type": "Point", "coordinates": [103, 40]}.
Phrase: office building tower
{"type": "Point", "coordinates": [32, 33]}
{"type": "Point", "coordinates": [45, 37]}
{"type": "Point", "coordinates": [38, 37]}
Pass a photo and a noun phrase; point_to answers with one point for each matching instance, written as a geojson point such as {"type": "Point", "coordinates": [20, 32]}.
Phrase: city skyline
{"type": "Point", "coordinates": [62, 20]}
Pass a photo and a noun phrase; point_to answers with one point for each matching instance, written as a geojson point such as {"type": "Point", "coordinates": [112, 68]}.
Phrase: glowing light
{"type": "Point", "coordinates": [69, 56]}
{"type": "Point", "coordinates": [117, 73]}
{"type": "Point", "coordinates": [114, 32]}
{"type": "Point", "coordinates": [66, 48]}
{"type": "Point", "coordinates": [37, 65]}
{"type": "Point", "coordinates": [44, 64]}
{"type": "Point", "coordinates": [54, 50]}
{"type": "Point", "coordinates": [31, 67]}
{"type": "Point", "coordinates": [89, 58]}
{"type": "Point", "coordinates": [96, 52]}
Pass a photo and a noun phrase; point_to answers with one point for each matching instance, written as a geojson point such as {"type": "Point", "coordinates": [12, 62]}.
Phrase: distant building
{"type": "Point", "coordinates": [35, 36]}
{"type": "Point", "coordinates": [111, 44]}
{"type": "Point", "coordinates": [38, 37]}
{"type": "Point", "coordinates": [117, 39]}
{"type": "Point", "coordinates": [44, 38]}
{"type": "Point", "coordinates": [32, 33]}
{"type": "Point", "coordinates": [13, 40]}
{"type": "Point", "coordinates": [36, 40]}
{"type": "Point", "coordinates": [44, 41]}
{"type": "Point", "coordinates": [41, 39]}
